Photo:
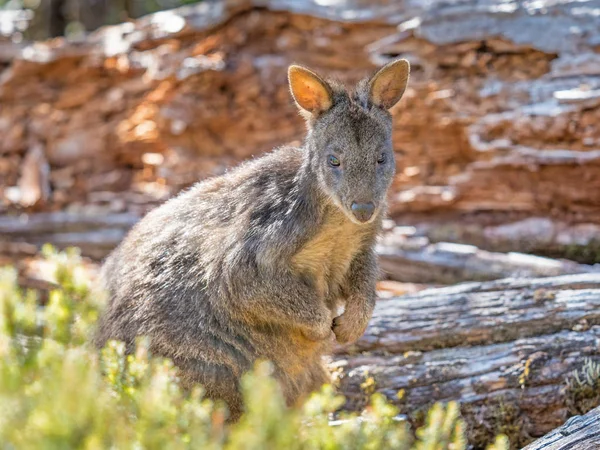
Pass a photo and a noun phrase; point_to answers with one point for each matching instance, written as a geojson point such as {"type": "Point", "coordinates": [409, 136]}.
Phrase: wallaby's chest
{"type": "Point", "coordinates": [326, 257]}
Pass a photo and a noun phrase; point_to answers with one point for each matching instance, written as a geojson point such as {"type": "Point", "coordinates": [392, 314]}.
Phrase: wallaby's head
{"type": "Point", "coordinates": [350, 135]}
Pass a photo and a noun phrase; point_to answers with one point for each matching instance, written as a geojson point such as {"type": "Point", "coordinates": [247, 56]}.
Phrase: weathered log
{"type": "Point", "coordinates": [507, 232]}
{"type": "Point", "coordinates": [504, 349]}
{"type": "Point", "coordinates": [578, 433]}
{"type": "Point", "coordinates": [408, 258]}
{"type": "Point", "coordinates": [482, 313]}
{"type": "Point", "coordinates": [95, 235]}
{"type": "Point", "coordinates": [62, 222]}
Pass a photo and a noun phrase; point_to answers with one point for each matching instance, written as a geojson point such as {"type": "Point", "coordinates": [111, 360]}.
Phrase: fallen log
{"type": "Point", "coordinates": [95, 235]}
{"type": "Point", "coordinates": [403, 257]}
{"type": "Point", "coordinates": [505, 233]}
{"type": "Point", "coordinates": [505, 350]}
{"type": "Point", "coordinates": [44, 223]}
{"type": "Point", "coordinates": [482, 313]}
{"type": "Point", "coordinates": [409, 258]}
{"type": "Point", "coordinates": [578, 433]}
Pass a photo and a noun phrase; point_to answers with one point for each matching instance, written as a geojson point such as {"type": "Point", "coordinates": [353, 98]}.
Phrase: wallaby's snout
{"type": "Point", "coordinates": [363, 211]}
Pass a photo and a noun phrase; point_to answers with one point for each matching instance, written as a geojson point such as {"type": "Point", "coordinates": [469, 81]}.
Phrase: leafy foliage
{"type": "Point", "coordinates": [57, 391]}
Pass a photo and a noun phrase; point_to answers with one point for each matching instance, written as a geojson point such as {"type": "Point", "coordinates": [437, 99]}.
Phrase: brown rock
{"type": "Point", "coordinates": [34, 184]}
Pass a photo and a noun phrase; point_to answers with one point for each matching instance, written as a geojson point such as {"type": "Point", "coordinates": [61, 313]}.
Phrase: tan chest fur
{"type": "Point", "coordinates": [327, 256]}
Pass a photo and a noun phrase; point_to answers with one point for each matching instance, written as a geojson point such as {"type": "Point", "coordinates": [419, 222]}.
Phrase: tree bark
{"type": "Point", "coordinates": [504, 349]}
{"type": "Point", "coordinates": [578, 433]}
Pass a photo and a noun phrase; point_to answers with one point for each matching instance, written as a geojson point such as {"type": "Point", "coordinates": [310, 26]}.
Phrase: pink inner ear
{"type": "Point", "coordinates": [310, 97]}
{"type": "Point", "coordinates": [309, 92]}
{"type": "Point", "coordinates": [389, 85]}
{"type": "Point", "coordinates": [390, 92]}
{"type": "Point", "coordinates": [387, 90]}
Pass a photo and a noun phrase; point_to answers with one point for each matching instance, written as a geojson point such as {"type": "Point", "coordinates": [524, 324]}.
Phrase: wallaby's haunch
{"type": "Point", "coordinates": [254, 264]}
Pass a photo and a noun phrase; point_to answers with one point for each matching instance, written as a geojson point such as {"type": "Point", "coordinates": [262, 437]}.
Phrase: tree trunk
{"type": "Point", "coordinates": [57, 18]}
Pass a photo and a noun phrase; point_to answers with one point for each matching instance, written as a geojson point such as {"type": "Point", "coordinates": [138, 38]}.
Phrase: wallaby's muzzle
{"type": "Point", "coordinates": [363, 211]}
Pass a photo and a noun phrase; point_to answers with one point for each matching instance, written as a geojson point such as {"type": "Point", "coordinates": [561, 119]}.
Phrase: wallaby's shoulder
{"type": "Point", "coordinates": [279, 165]}
{"type": "Point", "coordinates": [237, 185]}
{"type": "Point", "coordinates": [282, 161]}
{"type": "Point", "coordinates": [245, 200]}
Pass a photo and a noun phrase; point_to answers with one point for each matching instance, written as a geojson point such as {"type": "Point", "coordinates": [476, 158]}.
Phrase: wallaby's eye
{"type": "Point", "coordinates": [381, 159]}
{"type": "Point", "coordinates": [333, 161]}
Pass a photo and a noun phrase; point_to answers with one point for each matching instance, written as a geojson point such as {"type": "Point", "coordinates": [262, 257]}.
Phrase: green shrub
{"type": "Point", "coordinates": [58, 392]}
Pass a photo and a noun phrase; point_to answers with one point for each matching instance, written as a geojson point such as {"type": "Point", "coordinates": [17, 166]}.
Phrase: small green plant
{"type": "Point", "coordinates": [582, 392]}
{"type": "Point", "coordinates": [501, 443]}
{"type": "Point", "coordinates": [442, 429]}
{"type": "Point", "coordinates": [57, 391]}
{"type": "Point", "coordinates": [496, 419]}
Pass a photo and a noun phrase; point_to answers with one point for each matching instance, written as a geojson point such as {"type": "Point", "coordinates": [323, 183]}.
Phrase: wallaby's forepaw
{"type": "Point", "coordinates": [319, 333]}
{"type": "Point", "coordinates": [347, 329]}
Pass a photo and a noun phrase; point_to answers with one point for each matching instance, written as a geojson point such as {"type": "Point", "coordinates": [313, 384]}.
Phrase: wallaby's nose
{"type": "Point", "coordinates": [363, 211]}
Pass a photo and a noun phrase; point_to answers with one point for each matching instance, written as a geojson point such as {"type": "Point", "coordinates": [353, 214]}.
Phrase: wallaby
{"type": "Point", "coordinates": [257, 263]}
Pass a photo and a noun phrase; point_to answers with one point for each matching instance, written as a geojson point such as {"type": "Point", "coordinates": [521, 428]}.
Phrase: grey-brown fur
{"type": "Point", "coordinates": [254, 264]}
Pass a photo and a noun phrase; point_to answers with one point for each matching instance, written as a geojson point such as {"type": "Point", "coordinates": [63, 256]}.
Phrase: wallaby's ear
{"type": "Point", "coordinates": [387, 86]}
{"type": "Point", "coordinates": [310, 92]}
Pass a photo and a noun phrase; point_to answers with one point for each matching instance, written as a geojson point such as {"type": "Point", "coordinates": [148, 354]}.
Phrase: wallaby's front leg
{"type": "Point", "coordinates": [361, 296]}
{"type": "Point", "coordinates": [285, 300]}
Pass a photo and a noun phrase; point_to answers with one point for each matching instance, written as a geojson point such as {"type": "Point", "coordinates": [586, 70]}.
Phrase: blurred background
{"type": "Point", "coordinates": [26, 20]}
{"type": "Point", "coordinates": [107, 108]}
